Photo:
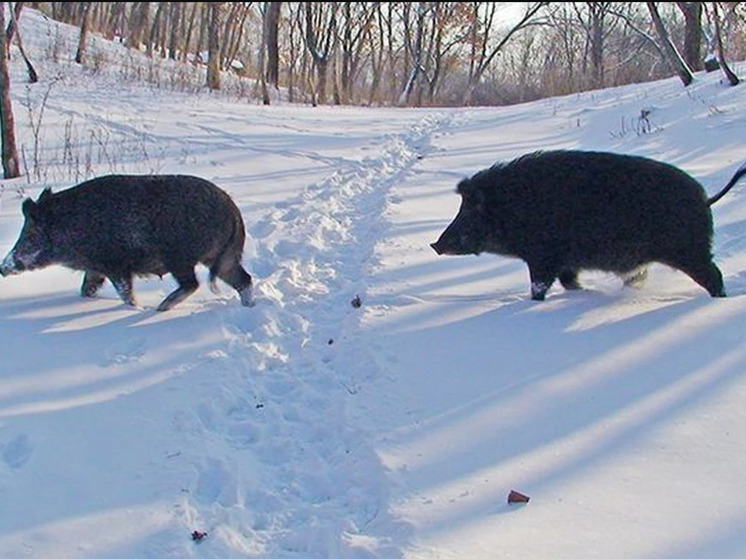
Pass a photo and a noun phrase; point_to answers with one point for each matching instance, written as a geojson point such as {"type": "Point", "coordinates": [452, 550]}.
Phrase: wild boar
{"type": "Point", "coordinates": [119, 226]}
{"type": "Point", "coordinates": [565, 211]}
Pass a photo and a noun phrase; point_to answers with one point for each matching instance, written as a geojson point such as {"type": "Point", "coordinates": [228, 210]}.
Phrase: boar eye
{"type": "Point", "coordinates": [475, 200]}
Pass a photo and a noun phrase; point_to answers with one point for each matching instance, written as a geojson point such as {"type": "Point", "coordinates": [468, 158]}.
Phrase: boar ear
{"type": "Point", "coordinates": [34, 210]}
{"type": "Point", "coordinates": [45, 195]}
{"type": "Point", "coordinates": [30, 209]}
{"type": "Point", "coordinates": [471, 194]}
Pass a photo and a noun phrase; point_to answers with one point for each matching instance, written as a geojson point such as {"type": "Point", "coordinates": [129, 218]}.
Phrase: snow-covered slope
{"type": "Point", "coordinates": [310, 427]}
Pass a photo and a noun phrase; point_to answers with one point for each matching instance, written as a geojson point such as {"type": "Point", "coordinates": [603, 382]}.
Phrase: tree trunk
{"type": "Point", "coordinates": [232, 33]}
{"type": "Point", "coordinates": [116, 23]}
{"type": "Point", "coordinates": [321, 28]}
{"type": "Point", "coordinates": [415, 51]}
{"type": "Point", "coordinates": [273, 50]}
{"type": "Point", "coordinates": [673, 57]}
{"type": "Point", "coordinates": [173, 40]}
{"type": "Point", "coordinates": [11, 167]}
{"type": "Point", "coordinates": [137, 24]}
{"type": "Point", "coordinates": [597, 14]}
{"type": "Point", "coordinates": [190, 30]}
{"type": "Point", "coordinates": [692, 34]}
{"type": "Point", "coordinates": [33, 77]}
{"type": "Point", "coordinates": [213, 46]}
{"type": "Point", "coordinates": [155, 35]}
{"type": "Point", "coordinates": [86, 20]}
{"type": "Point", "coordinates": [15, 14]}
{"type": "Point", "coordinates": [377, 47]}
{"type": "Point", "coordinates": [322, 71]}
{"type": "Point", "coordinates": [729, 74]}
{"type": "Point", "coordinates": [261, 61]}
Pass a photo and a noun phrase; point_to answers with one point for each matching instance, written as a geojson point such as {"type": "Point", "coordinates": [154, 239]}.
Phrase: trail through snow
{"type": "Point", "coordinates": [299, 352]}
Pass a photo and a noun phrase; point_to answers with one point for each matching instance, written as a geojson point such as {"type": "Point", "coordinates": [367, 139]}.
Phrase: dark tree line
{"type": "Point", "coordinates": [423, 53]}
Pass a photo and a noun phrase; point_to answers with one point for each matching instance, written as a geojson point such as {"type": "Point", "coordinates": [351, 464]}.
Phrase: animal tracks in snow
{"type": "Point", "coordinates": [290, 361]}
{"type": "Point", "coordinates": [16, 452]}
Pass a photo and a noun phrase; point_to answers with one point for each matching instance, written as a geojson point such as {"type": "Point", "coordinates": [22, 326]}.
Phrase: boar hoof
{"type": "Point", "coordinates": [247, 297]}
{"type": "Point", "coordinates": [538, 291]}
{"type": "Point", "coordinates": [92, 282]}
{"type": "Point", "coordinates": [123, 287]}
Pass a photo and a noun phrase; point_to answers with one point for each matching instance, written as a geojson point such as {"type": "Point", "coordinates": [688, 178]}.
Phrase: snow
{"type": "Point", "coordinates": [306, 427]}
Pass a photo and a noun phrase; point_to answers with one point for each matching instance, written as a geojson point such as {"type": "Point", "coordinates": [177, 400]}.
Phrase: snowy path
{"type": "Point", "coordinates": [296, 352]}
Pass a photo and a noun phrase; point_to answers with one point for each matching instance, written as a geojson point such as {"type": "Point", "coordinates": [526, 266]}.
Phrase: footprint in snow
{"type": "Point", "coordinates": [17, 452]}
{"type": "Point", "coordinates": [122, 352]}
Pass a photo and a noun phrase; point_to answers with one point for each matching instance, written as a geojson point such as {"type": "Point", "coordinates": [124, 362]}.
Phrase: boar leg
{"type": "Point", "coordinates": [542, 275]}
{"type": "Point", "coordinates": [188, 284]}
{"type": "Point", "coordinates": [123, 286]}
{"type": "Point", "coordinates": [92, 282]}
{"type": "Point", "coordinates": [240, 280]}
{"type": "Point", "coordinates": [706, 274]}
{"type": "Point", "coordinates": [569, 279]}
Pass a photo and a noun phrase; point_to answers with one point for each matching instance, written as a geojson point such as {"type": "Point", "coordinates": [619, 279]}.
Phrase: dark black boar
{"type": "Point", "coordinates": [119, 226]}
{"type": "Point", "coordinates": [565, 211]}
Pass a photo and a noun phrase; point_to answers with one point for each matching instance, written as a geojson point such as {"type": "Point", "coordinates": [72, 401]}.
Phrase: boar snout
{"type": "Point", "coordinates": [16, 262]}
{"type": "Point", "coordinates": [9, 266]}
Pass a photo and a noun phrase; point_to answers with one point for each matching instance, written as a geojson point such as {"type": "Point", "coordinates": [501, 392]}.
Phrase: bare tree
{"type": "Point", "coordinates": [271, 44]}
{"type": "Point", "coordinates": [729, 74]}
{"type": "Point", "coordinates": [269, 52]}
{"type": "Point", "coordinates": [692, 34]}
{"type": "Point", "coordinates": [84, 24]}
{"type": "Point", "coordinates": [115, 26]}
{"type": "Point", "coordinates": [138, 22]}
{"type": "Point", "coordinates": [674, 59]}
{"type": "Point", "coordinates": [33, 77]}
{"type": "Point", "coordinates": [320, 32]}
{"type": "Point", "coordinates": [484, 55]}
{"type": "Point", "coordinates": [11, 167]}
{"type": "Point", "coordinates": [213, 46]}
{"type": "Point", "coordinates": [190, 30]}
{"type": "Point", "coordinates": [294, 47]}
{"type": "Point", "coordinates": [448, 29]}
{"type": "Point", "coordinates": [594, 22]}
{"type": "Point", "coordinates": [564, 45]}
{"type": "Point", "coordinates": [355, 27]}
{"type": "Point", "coordinates": [155, 37]}
{"type": "Point", "coordinates": [233, 31]}
{"type": "Point", "coordinates": [11, 30]}
{"type": "Point", "coordinates": [175, 20]}
{"type": "Point", "coordinates": [376, 40]}
{"type": "Point", "coordinates": [414, 40]}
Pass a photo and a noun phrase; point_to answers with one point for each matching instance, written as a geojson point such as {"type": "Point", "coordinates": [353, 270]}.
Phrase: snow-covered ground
{"type": "Point", "coordinates": [307, 427]}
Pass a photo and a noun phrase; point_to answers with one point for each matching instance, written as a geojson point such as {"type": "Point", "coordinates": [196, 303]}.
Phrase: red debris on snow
{"type": "Point", "coordinates": [198, 536]}
{"type": "Point", "coordinates": [516, 497]}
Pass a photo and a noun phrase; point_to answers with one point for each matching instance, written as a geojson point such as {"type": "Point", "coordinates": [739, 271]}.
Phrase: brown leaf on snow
{"type": "Point", "coordinates": [516, 497]}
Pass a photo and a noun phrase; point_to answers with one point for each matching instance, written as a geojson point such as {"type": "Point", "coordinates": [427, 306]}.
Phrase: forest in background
{"type": "Point", "coordinates": [417, 53]}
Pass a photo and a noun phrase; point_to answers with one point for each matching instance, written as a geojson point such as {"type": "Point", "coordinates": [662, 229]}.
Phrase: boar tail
{"type": "Point", "coordinates": [736, 177]}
